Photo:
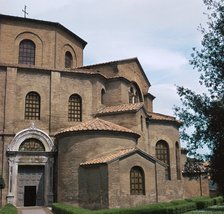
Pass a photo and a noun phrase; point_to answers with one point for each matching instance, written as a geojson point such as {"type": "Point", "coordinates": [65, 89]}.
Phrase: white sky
{"type": "Point", "coordinates": [160, 33]}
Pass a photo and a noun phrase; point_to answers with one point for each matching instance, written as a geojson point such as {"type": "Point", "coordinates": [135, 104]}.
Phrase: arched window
{"type": "Point", "coordinates": [178, 161]}
{"type": "Point", "coordinates": [141, 123]}
{"type": "Point", "coordinates": [134, 94]}
{"type": "Point", "coordinates": [75, 108]}
{"type": "Point", "coordinates": [68, 60]}
{"type": "Point", "coordinates": [162, 153]}
{"type": "Point", "coordinates": [32, 144]}
{"type": "Point", "coordinates": [27, 52]}
{"type": "Point", "coordinates": [32, 106]}
{"type": "Point", "coordinates": [137, 181]}
{"type": "Point", "coordinates": [102, 96]}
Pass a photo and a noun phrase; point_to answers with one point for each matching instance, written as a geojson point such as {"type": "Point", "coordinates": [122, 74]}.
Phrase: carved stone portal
{"type": "Point", "coordinates": [31, 159]}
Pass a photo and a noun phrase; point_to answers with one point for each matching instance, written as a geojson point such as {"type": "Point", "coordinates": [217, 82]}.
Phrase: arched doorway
{"type": "Point", "coordinates": [31, 159]}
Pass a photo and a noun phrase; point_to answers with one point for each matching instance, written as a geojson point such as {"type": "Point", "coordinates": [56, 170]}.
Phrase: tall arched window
{"type": "Point", "coordinates": [137, 181]}
{"type": "Point", "coordinates": [162, 153]}
{"type": "Point", "coordinates": [75, 108]}
{"type": "Point", "coordinates": [141, 123]}
{"type": "Point", "coordinates": [27, 52]}
{"type": "Point", "coordinates": [102, 96]}
{"type": "Point", "coordinates": [68, 60]}
{"type": "Point", "coordinates": [32, 106]}
{"type": "Point", "coordinates": [178, 161]}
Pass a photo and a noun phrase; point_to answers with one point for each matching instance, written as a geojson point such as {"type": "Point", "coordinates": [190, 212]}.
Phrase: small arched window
{"type": "Point", "coordinates": [33, 145]}
{"type": "Point", "coordinates": [178, 161]}
{"type": "Point", "coordinates": [27, 52]}
{"type": "Point", "coordinates": [142, 123]}
{"type": "Point", "coordinates": [162, 153]}
{"type": "Point", "coordinates": [68, 60]}
{"type": "Point", "coordinates": [75, 108]}
{"type": "Point", "coordinates": [137, 181]}
{"type": "Point", "coordinates": [32, 106]}
{"type": "Point", "coordinates": [102, 96]}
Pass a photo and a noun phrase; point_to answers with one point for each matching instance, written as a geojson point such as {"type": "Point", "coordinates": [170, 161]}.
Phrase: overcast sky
{"type": "Point", "coordinates": [160, 33]}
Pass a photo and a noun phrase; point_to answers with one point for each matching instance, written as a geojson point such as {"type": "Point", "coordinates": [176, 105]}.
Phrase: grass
{"type": "Point", "coordinates": [8, 209]}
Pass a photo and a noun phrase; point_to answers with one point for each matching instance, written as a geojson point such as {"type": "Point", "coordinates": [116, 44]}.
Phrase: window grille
{"type": "Point", "coordinates": [75, 108]}
{"type": "Point", "coordinates": [27, 52]}
{"type": "Point", "coordinates": [32, 106]}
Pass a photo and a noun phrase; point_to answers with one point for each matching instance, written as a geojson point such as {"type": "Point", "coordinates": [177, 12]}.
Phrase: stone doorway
{"type": "Point", "coordinates": [31, 160]}
{"type": "Point", "coordinates": [30, 185]}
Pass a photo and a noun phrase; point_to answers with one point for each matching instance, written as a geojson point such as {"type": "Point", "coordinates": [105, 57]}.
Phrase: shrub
{"type": "Point", "coordinates": [218, 200]}
{"type": "Point", "coordinates": [60, 208]}
{"type": "Point", "coordinates": [205, 201]}
{"type": "Point", "coordinates": [173, 207]}
{"type": "Point", "coordinates": [8, 209]}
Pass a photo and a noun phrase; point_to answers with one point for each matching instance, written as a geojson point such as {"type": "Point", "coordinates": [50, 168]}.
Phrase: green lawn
{"type": "Point", "coordinates": [211, 210]}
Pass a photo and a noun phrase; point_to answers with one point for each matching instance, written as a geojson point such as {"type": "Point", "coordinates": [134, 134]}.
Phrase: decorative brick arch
{"type": "Point", "coordinates": [70, 49]}
{"type": "Point", "coordinates": [37, 41]}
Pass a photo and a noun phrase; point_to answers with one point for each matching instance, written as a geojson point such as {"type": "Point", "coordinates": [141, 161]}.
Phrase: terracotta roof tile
{"type": "Point", "coordinates": [97, 125]}
{"type": "Point", "coordinates": [120, 108]}
{"type": "Point", "coordinates": [109, 157]}
{"type": "Point", "coordinates": [157, 116]}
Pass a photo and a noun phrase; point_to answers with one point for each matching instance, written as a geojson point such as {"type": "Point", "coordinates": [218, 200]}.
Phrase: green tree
{"type": "Point", "coordinates": [204, 113]}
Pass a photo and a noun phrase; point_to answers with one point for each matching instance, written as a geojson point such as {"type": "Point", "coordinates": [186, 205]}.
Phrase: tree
{"type": "Point", "coordinates": [204, 113]}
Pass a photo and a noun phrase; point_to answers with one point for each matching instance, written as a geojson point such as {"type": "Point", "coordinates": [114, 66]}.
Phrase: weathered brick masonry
{"type": "Point", "coordinates": [85, 135]}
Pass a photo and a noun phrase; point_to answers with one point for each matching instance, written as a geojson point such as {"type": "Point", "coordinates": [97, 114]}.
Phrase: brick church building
{"type": "Point", "coordinates": [81, 134]}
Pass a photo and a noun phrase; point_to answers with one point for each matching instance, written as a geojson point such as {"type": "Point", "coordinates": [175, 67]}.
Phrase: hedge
{"type": "Point", "coordinates": [8, 209]}
{"type": "Point", "coordinates": [60, 208]}
{"type": "Point", "coordinates": [204, 202]}
{"type": "Point", "coordinates": [174, 207]}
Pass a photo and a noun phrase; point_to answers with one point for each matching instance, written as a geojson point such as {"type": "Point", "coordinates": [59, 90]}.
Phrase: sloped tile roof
{"type": "Point", "coordinates": [97, 125]}
{"type": "Point", "coordinates": [115, 155]}
{"type": "Point", "coordinates": [163, 117]}
{"type": "Point", "coordinates": [120, 108]}
{"type": "Point", "coordinates": [158, 116]}
{"type": "Point", "coordinates": [109, 157]}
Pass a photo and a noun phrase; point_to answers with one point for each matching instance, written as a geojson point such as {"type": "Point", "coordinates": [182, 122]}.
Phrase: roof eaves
{"type": "Point", "coordinates": [111, 112]}
{"type": "Point", "coordinates": [56, 24]}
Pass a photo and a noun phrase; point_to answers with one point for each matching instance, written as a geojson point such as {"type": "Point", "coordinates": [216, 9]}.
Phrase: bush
{"type": "Point", "coordinates": [8, 209]}
{"type": "Point", "coordinates": [218, 200]}
{"type": "Point", "coordinates": [205, 201]}
{"type": "Point", "coordinates": [60, 208]}
{"type": "Point", "coordinates": [173, 207]}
